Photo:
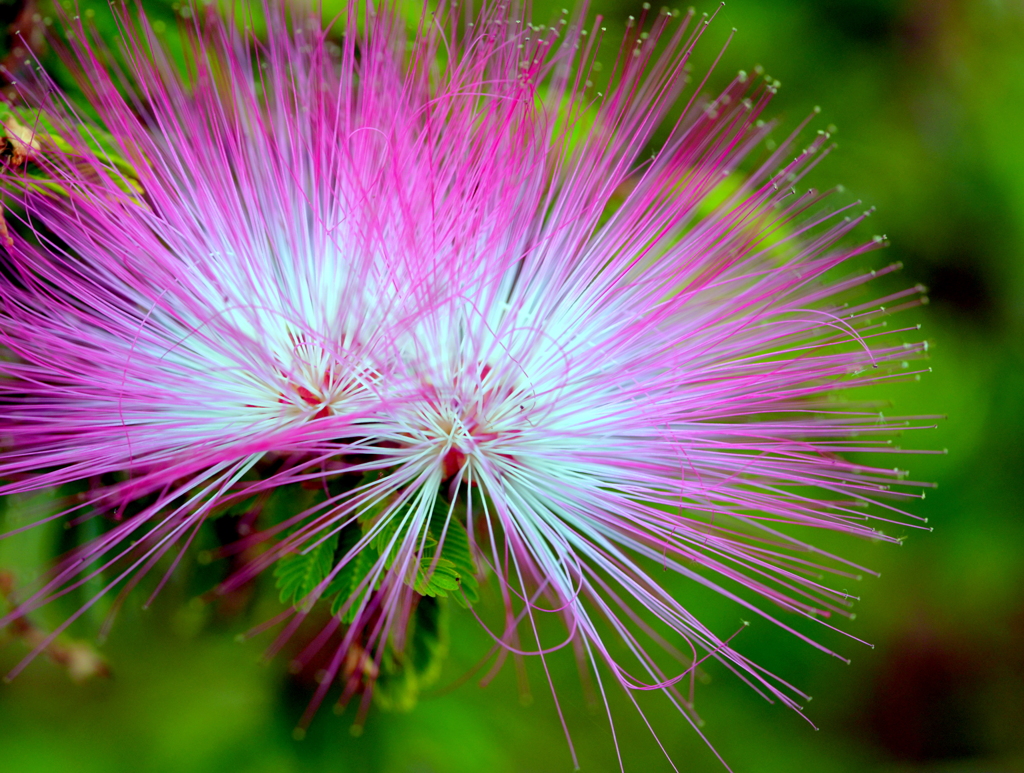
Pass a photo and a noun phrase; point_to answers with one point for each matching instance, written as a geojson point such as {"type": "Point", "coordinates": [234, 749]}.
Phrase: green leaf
{"type": "Point", "coordinates": [100, 142]}
{"type": "Point", "coordinates": [436, 577]}
{"type": "Point", "coordinates": [457, 550]}
{"type": "Point", "coordinates": [404, 674]}
{"type": "Point", "coordinates": [454, 571]}
{"type": "Point", "coordinates": [385, 543]}
{"type": "Point", "coordinates": [347, 581]}
{"type": "Point", "coordinates": [288, 501]}
{"type": "Point", "coordinates": [429, 642]}
{"type": "Point", "coordinates": [32, 134]}
{"type": "Point", "coordinates": [300, 573]}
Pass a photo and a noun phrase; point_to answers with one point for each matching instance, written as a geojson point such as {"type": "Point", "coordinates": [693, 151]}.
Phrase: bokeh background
{"type": "Point", "coordinates": [927, 101]}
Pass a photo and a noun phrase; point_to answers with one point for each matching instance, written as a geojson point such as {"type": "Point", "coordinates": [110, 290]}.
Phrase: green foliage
{"type": "Point", "coordinates": [453, 571]}
{"type": "Point", "coordinates": [445, 567]}
{"type": "Point", "coordinates": [286, 502]}
{"type": "Point", "coordinates": [346, 582]}
{"type": "Point", "coordinates": [450, 571]}
{"type": "Point", "coordinates": [299, 573]}
{"type": "Point", "coordinates": [456, 550]}
{"type": "Point", "coordinates": [407, 671]}
{"type": "Point", "coordinates": [30, 133]}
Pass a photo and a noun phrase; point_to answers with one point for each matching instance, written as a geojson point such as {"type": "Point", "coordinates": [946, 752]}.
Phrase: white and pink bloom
{"type": "Point", "coordinates": [437, 289]}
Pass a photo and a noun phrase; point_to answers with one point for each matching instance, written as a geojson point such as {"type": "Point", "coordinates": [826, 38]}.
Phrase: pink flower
{"type": "Point", "coordinates": [440, 299]}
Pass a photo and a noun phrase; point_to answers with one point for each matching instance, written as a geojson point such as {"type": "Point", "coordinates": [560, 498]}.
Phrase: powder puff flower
{"type": "Point", "coordinates": [427, 311]}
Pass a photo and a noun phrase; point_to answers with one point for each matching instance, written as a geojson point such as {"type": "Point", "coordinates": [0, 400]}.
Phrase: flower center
{"type": "Point", "coordinates": [461, 429]}
{"type": "Point", "coordinates": [313, 400]}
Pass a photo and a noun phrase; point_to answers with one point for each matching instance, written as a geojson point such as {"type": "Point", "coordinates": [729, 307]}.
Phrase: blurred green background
{"type": "Point", "coordinates": [928, 100]}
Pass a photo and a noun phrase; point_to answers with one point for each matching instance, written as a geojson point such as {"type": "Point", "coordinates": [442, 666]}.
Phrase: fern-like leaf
{"type": "Point", "coordinates": [300, 573]}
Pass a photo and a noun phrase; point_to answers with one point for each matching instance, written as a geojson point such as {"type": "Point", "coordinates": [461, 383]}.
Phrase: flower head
{"type": "Point", "coordinates": [425, 312]}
